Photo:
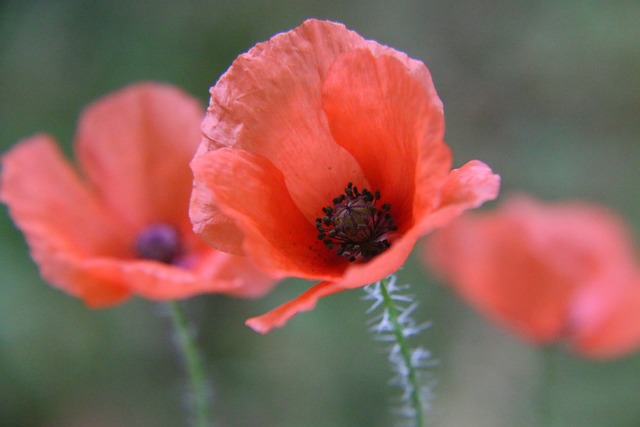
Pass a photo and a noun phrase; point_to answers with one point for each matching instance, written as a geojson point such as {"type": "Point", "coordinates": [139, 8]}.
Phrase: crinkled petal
{"type": "Point", "coordinates": [305, 302]}
{"type": "Point", "coordinates": [252, 191]}
{"type": "Point", "coordinates": [269, 103]}
{"type": "Point", "coordinates": [385, 111]}
{"type": "Point", "coordinates": [303, 115]}
{"type": "Point", "coordinates": [135, 146]}
{"type": "Point", "coordinates": [209, 222]}
{"type": "Point", "coordinates": [63, 221]}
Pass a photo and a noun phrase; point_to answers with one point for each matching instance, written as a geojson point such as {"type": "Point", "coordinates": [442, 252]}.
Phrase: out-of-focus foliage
{"type": "Point", "coordinates": [547, 93]}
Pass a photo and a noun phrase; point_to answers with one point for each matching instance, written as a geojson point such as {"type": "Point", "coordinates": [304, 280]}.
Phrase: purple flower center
{"type": "Point", "coordinates": [159, 242]}
{"type": "Point", "coordinates": [355, 226]}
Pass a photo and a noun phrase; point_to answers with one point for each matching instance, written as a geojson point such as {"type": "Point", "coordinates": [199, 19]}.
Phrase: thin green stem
{"type": "Point", "coordinates": [405, 351]}
{"type": "Point", "coordinates": [549, 416]}
{"type": "Point", "coordinates": [193, 363]}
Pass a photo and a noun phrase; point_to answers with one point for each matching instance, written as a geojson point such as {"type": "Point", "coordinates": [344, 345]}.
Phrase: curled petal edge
{"type": "Point", "coordinates": [305, 302]}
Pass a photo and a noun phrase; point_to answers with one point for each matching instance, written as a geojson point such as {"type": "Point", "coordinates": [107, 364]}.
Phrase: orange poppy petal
{"type": "Point", "coordinates": [607, 332]}
{"type": "Point", "coordinates": [209, 222]}
{"type": "Point", "coordinates": [465, 188]}
{"type": "Point", "coordinates": [386, 113]}
{"type": "Point", "coordinates": [234, 275]}
{"type": "Point", "coordinates": [356, 275]}
{"type": "Point", "coordinates": [361, 274]}
{"type": "Point", "coordinates": [305, 302]}
{"type": "Point", "coordinates": [277, 236]}
{"type": "Point", "coordinates": [296, 119]}
{"type": "Point", "coordinates": [212, 272]}
{"type": "Point", "coordinates": [135, 146]}
{"type": "Point", "coordinates": [500, 276]}
{"type": "Point", "coordinates": [269, 103]}
{"type": "Point", "coordinates": [548, 272]}
{"type": "Point", "coordinates": [96, 289]}
{"type": "Point", "coordinates": [64, 223]}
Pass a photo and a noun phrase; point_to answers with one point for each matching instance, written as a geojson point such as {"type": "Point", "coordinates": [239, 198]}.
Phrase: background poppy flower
{"type": "Point", "coordinates": [298, 123]}
{"type": "Point", "coordinates": [546, 271]}
{"type": "Point", "coordinates": [122, 228]}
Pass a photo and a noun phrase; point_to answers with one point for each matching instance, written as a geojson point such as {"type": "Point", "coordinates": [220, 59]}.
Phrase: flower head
{"type": "Point", "coordinates": [546, 271]}
{"type": "Point", "coordinates": [122, 227]}
{"type": "Point", "coordinates": [323, 158]}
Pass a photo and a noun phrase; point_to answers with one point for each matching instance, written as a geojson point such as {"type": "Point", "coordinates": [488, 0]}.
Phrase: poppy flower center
{"type": "Point", "coordinates": [159, 242]}
{"type": "Point", "coordinates": [355, 226]}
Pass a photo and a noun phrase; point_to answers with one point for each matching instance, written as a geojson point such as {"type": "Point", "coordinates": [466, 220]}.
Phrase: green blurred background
{"type": "Point", "coordinates": [547, 93]}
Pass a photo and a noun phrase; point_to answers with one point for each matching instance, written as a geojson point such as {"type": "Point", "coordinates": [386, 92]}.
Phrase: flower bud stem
{"type": "Point", "coordinates": [200, 391]}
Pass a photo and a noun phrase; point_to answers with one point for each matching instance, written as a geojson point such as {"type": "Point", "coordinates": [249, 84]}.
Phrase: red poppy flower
{"type": "Point", "coordinates": [548, 272]}
{"type": "Point", "coordinates": [323, 158]}
{"type": "Point", "coordinates": [122, 228]}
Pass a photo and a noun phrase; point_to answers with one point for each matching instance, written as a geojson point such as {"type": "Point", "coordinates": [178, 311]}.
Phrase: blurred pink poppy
{"type": "Point", "coordinates": [121, 226]}
{"type": "Point", "coordinates": [548, 272]}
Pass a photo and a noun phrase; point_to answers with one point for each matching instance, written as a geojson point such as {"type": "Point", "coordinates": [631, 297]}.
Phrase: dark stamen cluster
{"type": "Point", "coordinates": [159, 242]}
{"type": "Point", "coordinates": [354, 225]}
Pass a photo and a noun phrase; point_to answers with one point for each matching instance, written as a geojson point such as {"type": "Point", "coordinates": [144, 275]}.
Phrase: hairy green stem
{"type": "Point", "coordinates": [200, 392]}
{"type": "Point", "coordinates": [405, 351]}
